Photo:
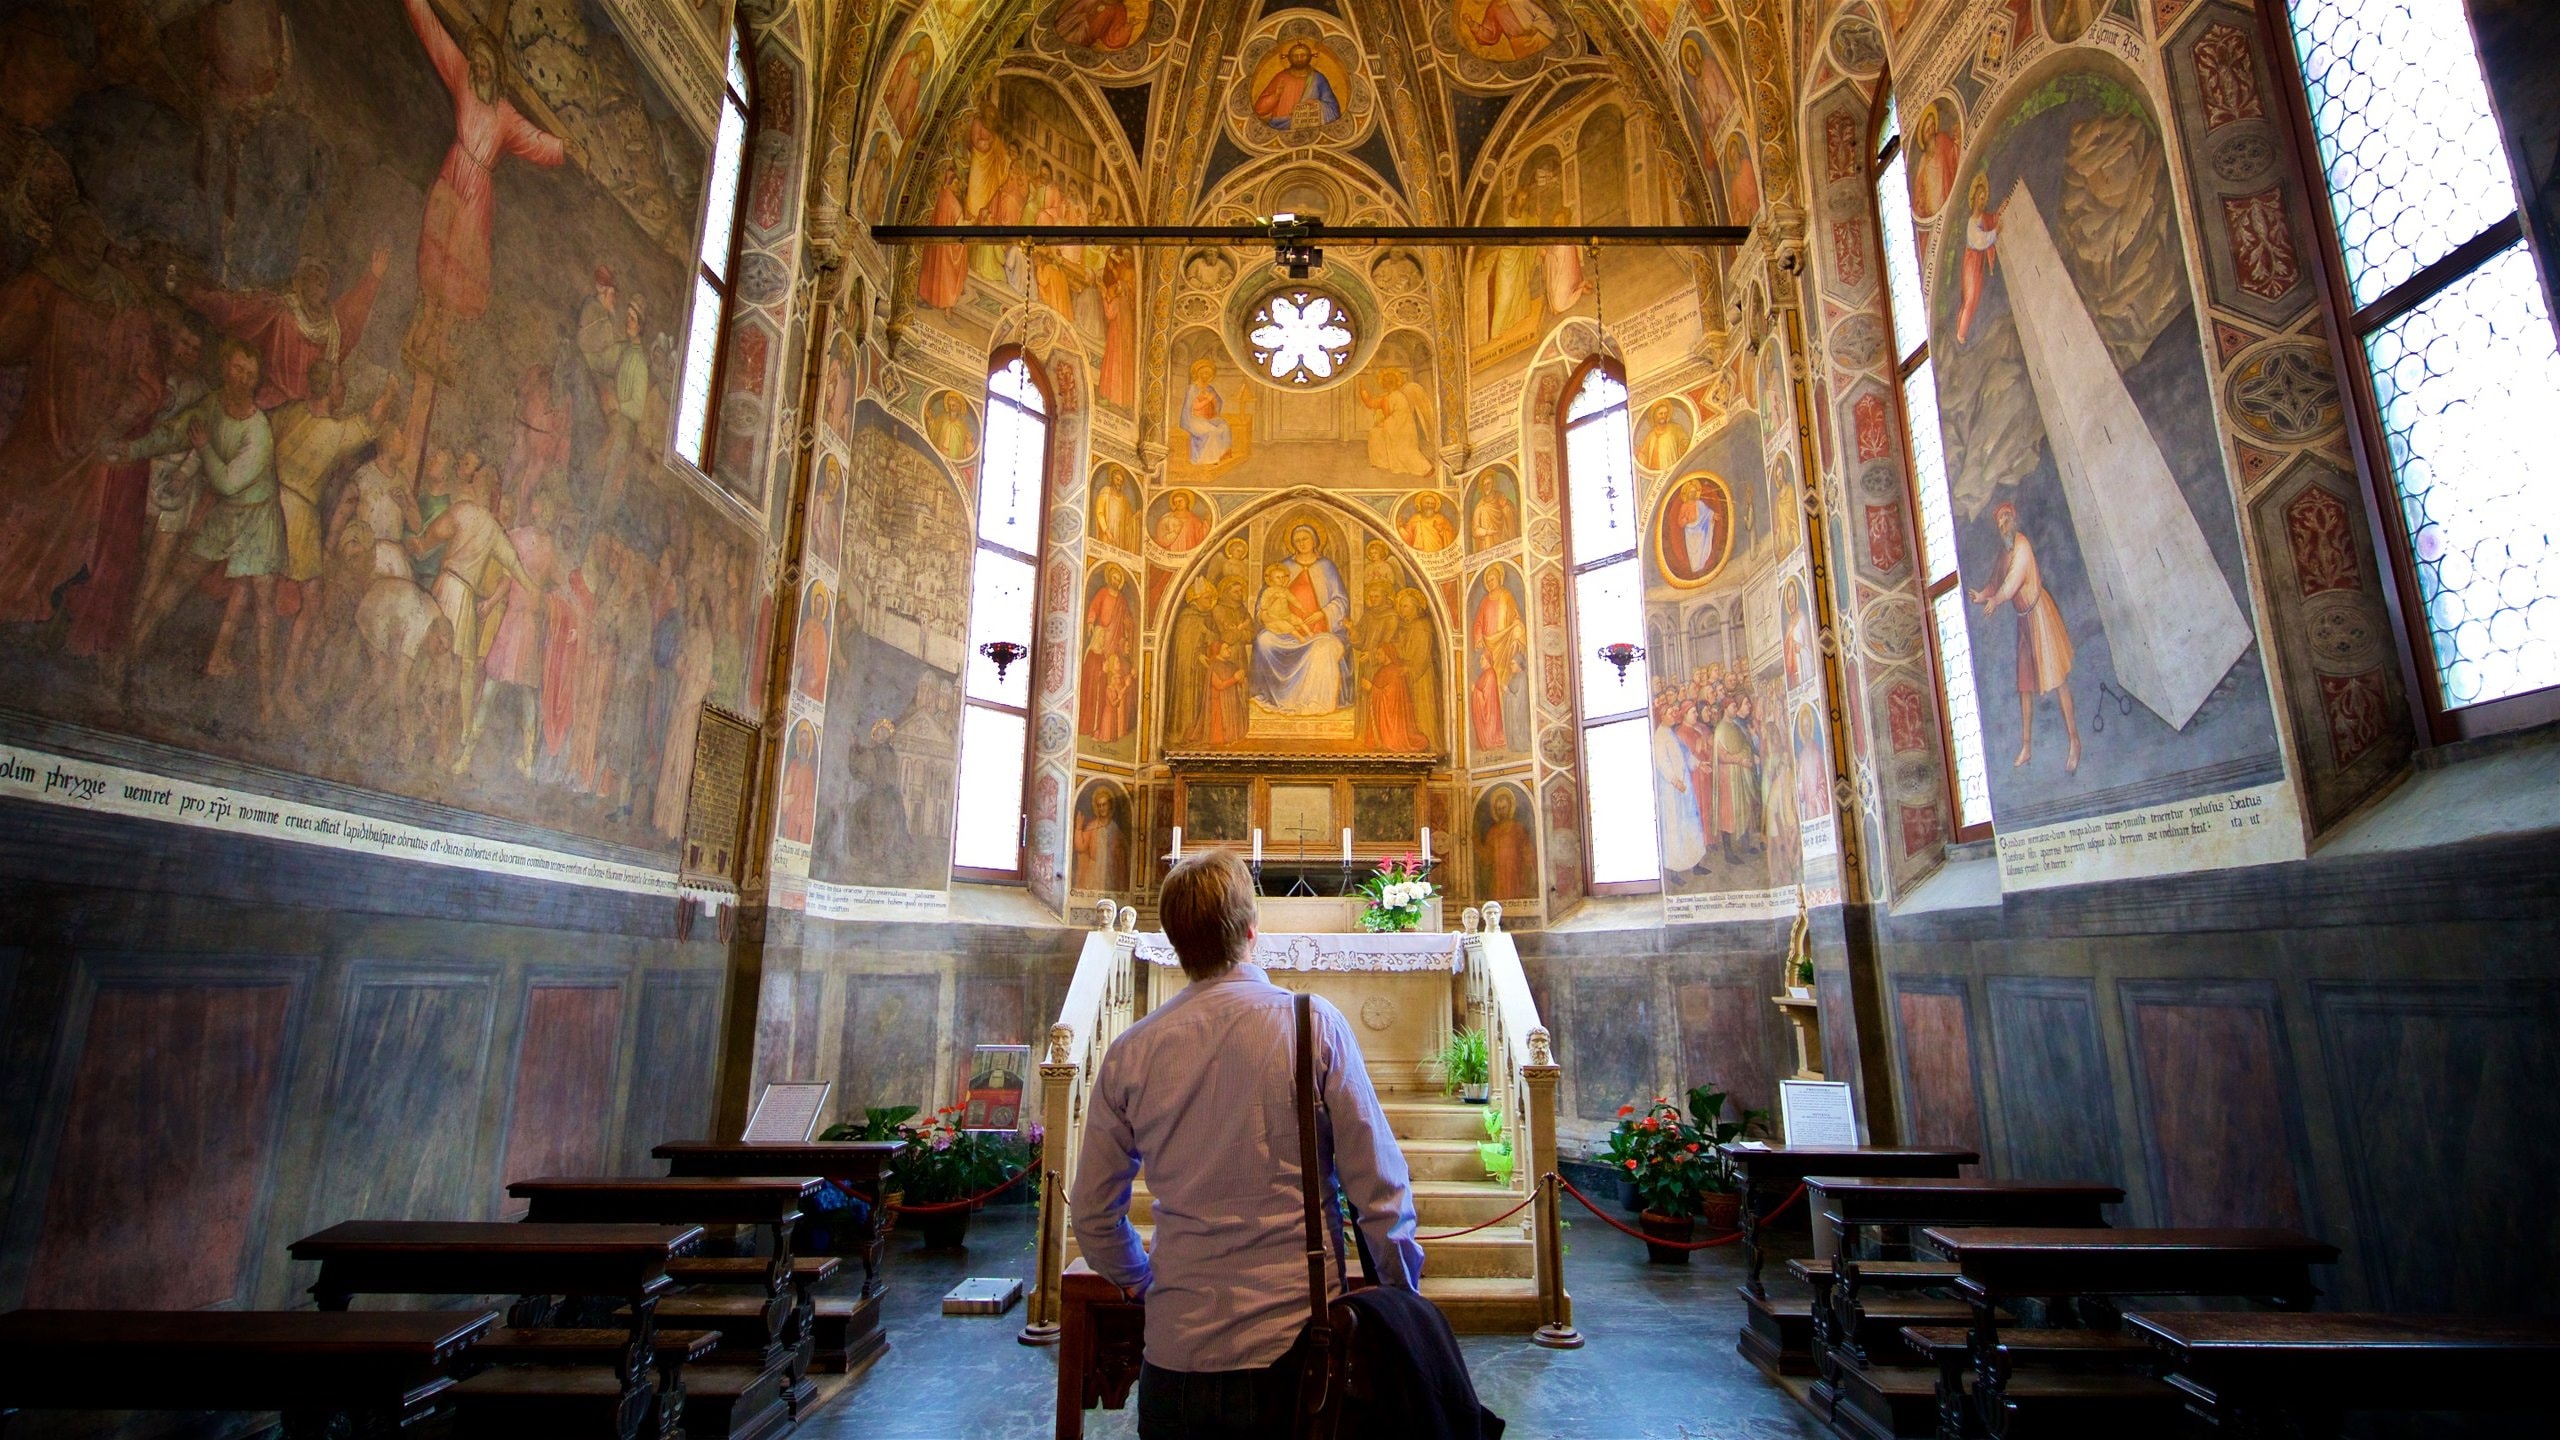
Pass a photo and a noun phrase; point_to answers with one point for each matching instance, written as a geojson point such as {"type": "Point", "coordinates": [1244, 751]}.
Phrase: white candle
{"type": "Point", "coordinates": [1426, 844]}
{"type": "Point", "coordinates": [1257, 847]}
{"type": "Point", "coordinates": [1177, 842]}
{"type": "Point", "coordinates": [1346, 844]}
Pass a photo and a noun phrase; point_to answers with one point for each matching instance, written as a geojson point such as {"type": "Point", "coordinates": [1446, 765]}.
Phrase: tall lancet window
{"type": "Point", "coordinates": [1907, 318]}
{"type": "Point", "coordinates": [2448, 342]}
{"type": "Point", "coordinates": [724, 202]}
{"type": "Point", "coordinates": [995, 719]}
{"type": "Point", "coordinates": [1608, 609]}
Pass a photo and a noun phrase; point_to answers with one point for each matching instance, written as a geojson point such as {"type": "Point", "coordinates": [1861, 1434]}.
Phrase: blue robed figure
{"type": "Point", "coordinates": [1301, 660]}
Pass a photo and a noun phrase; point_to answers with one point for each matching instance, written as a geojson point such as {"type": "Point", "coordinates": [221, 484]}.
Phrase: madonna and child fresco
{"type": "Point", "coordinates": [1286, 637]}
{"type": "Point", "coordinates": [333, 418]}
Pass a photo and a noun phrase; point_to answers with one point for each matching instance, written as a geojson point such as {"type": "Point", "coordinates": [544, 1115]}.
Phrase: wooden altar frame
{"type": "Point", "coordinates": [1340, 772]}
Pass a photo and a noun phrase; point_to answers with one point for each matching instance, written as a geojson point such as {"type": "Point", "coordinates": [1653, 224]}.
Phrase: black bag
{"type": "Point", "coordinates": [1380, 1362]}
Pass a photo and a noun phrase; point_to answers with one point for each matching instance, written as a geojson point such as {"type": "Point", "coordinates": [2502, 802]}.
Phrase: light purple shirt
{"type": "Point", "coordinates": [1202, 1093]}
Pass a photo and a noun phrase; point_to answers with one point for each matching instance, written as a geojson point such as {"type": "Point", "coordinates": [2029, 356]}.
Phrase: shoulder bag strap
{"type": "Point", "coordinates": [1314, 1381]}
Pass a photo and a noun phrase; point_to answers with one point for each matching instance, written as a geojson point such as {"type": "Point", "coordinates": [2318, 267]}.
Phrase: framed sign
{"type": "Point", "coordinates": [994, 1097]}
{"type": "Point", "coordinates": [1817, 1113]}
{"type": "Point", "coordinates": [715, 805]}
{"type": "Point", "coordinates": [787, 1113]}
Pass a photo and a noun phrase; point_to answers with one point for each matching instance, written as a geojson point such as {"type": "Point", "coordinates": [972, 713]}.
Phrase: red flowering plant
{"type": "Point", "coordinates": [1666, 1156]}
{"type": "Point", "coordinates": [1396, 894]}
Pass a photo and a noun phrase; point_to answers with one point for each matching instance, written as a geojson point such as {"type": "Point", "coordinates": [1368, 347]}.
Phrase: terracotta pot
{"type": "Point", "coordinates": [1675, 1228]}
{"type": "Point", "coordinates": [1719, 1214]}
{"type": "Point", "coordinates": [942, 1229]}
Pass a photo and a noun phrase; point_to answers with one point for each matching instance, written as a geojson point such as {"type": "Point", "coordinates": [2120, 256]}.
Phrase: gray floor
{"type": "Point", "coordinates": [1659, 1365]}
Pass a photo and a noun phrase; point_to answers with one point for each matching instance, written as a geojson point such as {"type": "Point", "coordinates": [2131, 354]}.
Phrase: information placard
{"type": "Point", "coordinates": [787, 1113]}
{"type": "Point", "coordinates": [715, 810]}
{"type": "Point", "coordinates": [1817, 1113]}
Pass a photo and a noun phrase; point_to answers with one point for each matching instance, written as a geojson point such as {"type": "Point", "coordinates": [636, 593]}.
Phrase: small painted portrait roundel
{"type": "Point", "coordinates": [1692, 529]}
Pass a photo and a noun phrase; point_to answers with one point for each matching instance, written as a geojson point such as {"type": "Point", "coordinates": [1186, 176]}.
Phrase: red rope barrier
{"type": "Point", "coordinates": [971, 1203]}
{"type": "Point", "coordinates": [1496, 1220]}
{"type": "Point", "coordinates": [1615, 1223]}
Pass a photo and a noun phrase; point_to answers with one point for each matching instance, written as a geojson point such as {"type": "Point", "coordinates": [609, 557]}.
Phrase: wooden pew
{"type": "Point", "coordinates": [2240, 1372]}
{"type": "Point", "coordinates": [763, 1361]}
{"type": "Point", "coordinates": [1102, 1339]}
{"type": "Point", "coordinates": [847, 1331]}
{"type": "Point", "coordinates": [1854, 1204]}
{"type": "Point", "coordinates": [539, 1262]}
{"type": "Point", "coordinates": [1777, 1332]}
{"type": "Point", "coordinates": [2003, 1264]}
{"type": "Point", "coordinates": [373, 1373]}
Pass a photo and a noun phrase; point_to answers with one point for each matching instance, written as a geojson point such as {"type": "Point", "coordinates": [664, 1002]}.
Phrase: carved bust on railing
{"type": "Point", "coordinates": [1472, 921]}
{"type": "Point", "coordinates": [1062, 1043]}
{"type": "Point", "coordinates": [1539, 1053]}
{"type": "Point", "coordinates": [1492, 916]}
{"type": "Point", "coordinates": [1106, 914]}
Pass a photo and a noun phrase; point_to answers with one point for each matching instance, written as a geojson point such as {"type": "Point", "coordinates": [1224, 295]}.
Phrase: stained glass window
{"type": "Point", "coordinates": [697, 408]}
{"type": "Point", "coordinates": [1608, 609]}
{"type": "Point", "coordinates": [1906, 316]}
{"type": "Point", "coordinates": [1300, 336]}
{"type": "Point", "coordinates": [987, 835]}
{"type": "Point", "coordinates": [2454, 330]}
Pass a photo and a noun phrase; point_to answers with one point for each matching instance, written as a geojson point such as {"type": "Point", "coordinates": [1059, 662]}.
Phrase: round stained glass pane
{"type": "Point", "coordinates": [1300, 336]}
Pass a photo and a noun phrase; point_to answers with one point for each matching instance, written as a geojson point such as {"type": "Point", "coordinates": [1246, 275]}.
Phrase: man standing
{"type": "Point", "coordinates": [2044, 644]}
{"type": "Point", "coordinates": [294, 329]}
{"type": "Point", "coordinates": [312, 438]}
{"type": "Point", "coordinates": [1201, 1093]}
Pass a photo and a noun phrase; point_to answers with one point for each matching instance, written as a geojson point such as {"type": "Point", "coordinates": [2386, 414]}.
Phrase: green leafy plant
{"type": "Point", "coordinates": [1706, 1119]}
{"type": "Point", "coordinates": [1396, 894]}
{"type": "Point", "coordinates": [944, 1160]}
{"type": "Point", "coordinates": [1494, 1150]}
{"type": "Point", "coordinates": [1666, 1156]}
{"type": "Point", "coordinates": [879, 1122]}
{"type": "Point", "coordinates": [1465, 1060]}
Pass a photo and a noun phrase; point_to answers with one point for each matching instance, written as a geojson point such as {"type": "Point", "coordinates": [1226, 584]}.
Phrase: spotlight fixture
{"type": "Point", "coordinates": [1293, 245]}
{"type": "Point", "coordinates": [1622, 655]}
{"type": "Point", "coordinates": [1004, 653]}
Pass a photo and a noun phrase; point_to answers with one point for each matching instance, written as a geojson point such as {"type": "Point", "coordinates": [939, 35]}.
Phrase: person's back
{"type": "Point", "coordinates": [1201, 1093]}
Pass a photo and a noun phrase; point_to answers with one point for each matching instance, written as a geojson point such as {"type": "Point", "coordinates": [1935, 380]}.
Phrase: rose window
{"type": "Point", "coordinates": [1300, 336]}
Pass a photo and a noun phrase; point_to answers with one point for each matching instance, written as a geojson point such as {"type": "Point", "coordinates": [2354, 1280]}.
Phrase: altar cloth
{"type": "Point", "coordinates": [1355, 951]}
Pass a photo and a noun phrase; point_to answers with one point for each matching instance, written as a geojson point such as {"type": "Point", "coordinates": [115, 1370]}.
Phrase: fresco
{"type": "Point", "coordinates": [1017, 154]}
{"type": "Point", "coordinates": [2065, 334]}
{"type": "Point", "coordinates": [1113, 500]}
{"type": "Point", "coordinates": [1934, 145]}
{"type": "Point", "coordinates": [2068, 20]}
{"type": "Point", "coordinates": [1493, 509]}
{"type": "Point", "coordinates": [893, 716]}
{"type": "Point", "coordinates": [1693, 529]}
{"type": "Point", "coordinates": [332, 433]}
{"type": "Point", "coordinates": [1231, 427]}
{"type": "Point", "coordinates": [1179, 520]}
{"type": "Point", "coordinates": [1425, 522]}
{"type": "Point", "coordinates": [1104, 839]}
{"type": "Point", "coordinates": [1506, 849]}
{"type": "Point", "coordinates": [1107, 664]}
{"type": "Point", "coordinates": [1305, 632]}
{"type": "Point", "coordinates": [1497, 665]}
{"type": "Point", "coordinates": [1663, 434]}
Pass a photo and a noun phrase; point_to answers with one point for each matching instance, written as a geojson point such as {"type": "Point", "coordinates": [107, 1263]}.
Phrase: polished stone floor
{"type": "Point", "coordinates": [1659, 1365]}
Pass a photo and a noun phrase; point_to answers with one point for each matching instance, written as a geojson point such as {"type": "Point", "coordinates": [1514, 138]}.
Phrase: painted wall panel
{"type": "Point", "coordinates": [1611, 1058]}
{"type": "Point", "coordinates": [1723, 1039]}
{"type": "Point", "coordinates": [888, 1051]}
{"type": "Point", "coordinates": [564, 1097]}
{"type": "Point", "coordinates": [2058, 1114]}
{"type": "Point", "coordinates": [674, 1058]}
{"type": "Point", "coordinates": [1942, 1096]}
{"type": "Point", "coordinates": [402, 1123]}
{"type": "Point", "coordinates": [2215, 1085]}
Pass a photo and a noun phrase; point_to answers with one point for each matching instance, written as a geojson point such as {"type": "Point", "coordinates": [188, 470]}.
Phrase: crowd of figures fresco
{"type": "Point", "coordinates": [337, 345]}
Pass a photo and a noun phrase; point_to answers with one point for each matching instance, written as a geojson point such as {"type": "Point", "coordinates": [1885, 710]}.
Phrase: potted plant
{"type": "Point", "coordinates": [838, 1215]}
{"type": "Point", "coordinates": [1466, 1066]}
{"type": "Point", "coordinates": [945, 1162]}
{"type": "Point", "coordinates": [1720, 1196]}
{"type": "Point", "coordinates": [1397, 895]}
{"type": "Point", "coordinates": [1669, 1162]}
{"type": "Point", "coordinates": [1616, 1154]}
{"type": "Point", "coordinates": [1495, 1151]}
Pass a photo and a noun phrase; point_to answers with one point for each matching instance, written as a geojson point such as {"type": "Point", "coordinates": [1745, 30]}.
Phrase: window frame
{"type": "Point", "coordinates": [726, 288]}
{"type": "Point", "coordinates": [1002, 357]}
{"type": "Point", "coordinates": [1880, 157]}
{"type": "Point", "coordinates": [2346, 326]}
{"type": "Point", "coordinates": [1643, 707]}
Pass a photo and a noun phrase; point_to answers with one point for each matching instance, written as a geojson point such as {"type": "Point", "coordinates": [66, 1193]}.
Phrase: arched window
{"type": "Point", "coordinates": [995, 720]}
{"type": "Point", "coordinates": [1907, 319]}
{"type": "Point", "coordinates": [723, 205]}
{"type": "Point", "coordinates": [1608, 607]}
{"type": "Point", "coordinates": [2447, 338]}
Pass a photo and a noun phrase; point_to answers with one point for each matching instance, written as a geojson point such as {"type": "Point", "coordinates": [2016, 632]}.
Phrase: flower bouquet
{"type": "Point", "coordinates": [944, 1163]}
{"type": "Point", "coordinates": [1397, 895]}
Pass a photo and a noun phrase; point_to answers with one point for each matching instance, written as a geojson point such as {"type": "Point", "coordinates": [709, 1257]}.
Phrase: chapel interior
{"type": "Point", "coordinates": [594, 593]}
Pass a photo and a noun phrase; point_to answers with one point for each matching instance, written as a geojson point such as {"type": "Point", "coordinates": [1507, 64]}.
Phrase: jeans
{"type": "Point", "coordinates": [1220, 1404]}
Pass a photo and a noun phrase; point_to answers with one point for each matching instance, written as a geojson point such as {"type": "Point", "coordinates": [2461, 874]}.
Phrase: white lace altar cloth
{"type": "Point", "coordinates": [1353, 952]}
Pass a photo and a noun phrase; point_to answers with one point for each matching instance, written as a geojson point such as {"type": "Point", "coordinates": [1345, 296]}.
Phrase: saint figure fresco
{"type": "Point", "coordinates": [1203, 416]}
{"type": "Point", "coordinates": [1498, 643]}
{"type": "Point", "coordinates": [1102, 839]}
{"type": "Point", "coordinates": [1300, 93]}
{"type": "Point", "coordinates": [1504, 30]}
{"type": "Point", "coordinates": [1180, 524]}
{"type": "Point", "coordinates": [1426, 525]}
{"type": "Point", "coordinates": [1301, 661]}
{"type": "Point", "coordinates": [1506, 851]}
{"type": "Point", "coordinates": [1107, 679]}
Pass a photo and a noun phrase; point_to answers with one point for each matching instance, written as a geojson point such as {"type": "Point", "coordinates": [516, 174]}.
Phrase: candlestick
{"type": "Point", "coordinates": [1177, 842]}
{"type": "Point", "coordinates": [1346, 844]}
{"type": "Point", "coordinates": [1426, 844]}
{"type": "Point", "coordinates": [1257, 847]}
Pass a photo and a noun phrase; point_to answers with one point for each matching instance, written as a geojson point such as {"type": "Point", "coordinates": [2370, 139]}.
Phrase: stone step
{"type": "Point", "coordinates": [1437, 1204]}
{"type": "Point", "coordinates": [1484, 1306]}
{"type": "Point", "coordinates": [1499, 1252]}
{"type": "Point", "coordinates": [1443, 1160]}
{"type": "Point", "coordinates": [1435, 1120]}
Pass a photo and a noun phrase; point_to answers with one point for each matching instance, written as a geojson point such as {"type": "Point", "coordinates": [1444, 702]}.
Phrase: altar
{"type": "Point", "coordinates": [1399, 990]}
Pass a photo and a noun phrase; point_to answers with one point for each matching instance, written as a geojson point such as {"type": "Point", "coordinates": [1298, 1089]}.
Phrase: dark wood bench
{"type": "Point", "coordinates": [2238, 1371]}
{"type": "Point", "coordinates": [1102, 1338]}
{"type": "Point", "coordinates": [2003, 1264]}
{"type": "Point", "coordinates": [540, 1262]}
{"type": "Point", "coordinates": [847, 1333]}
{"type": "Point", "coordinates": [1777, 1332]}
{"type": "Point", "coordinates": [1852, 1205]}
{"type": "Point", "coordinates": [2083, 1371]}
{"type": "Point", "coordinates": [777, 1334]}
{"type": "Point", "coordinates": [373, 1373]}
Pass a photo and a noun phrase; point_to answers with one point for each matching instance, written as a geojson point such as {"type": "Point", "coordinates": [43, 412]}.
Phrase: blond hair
{"type": "Point", "coordinates": [1207, 911]}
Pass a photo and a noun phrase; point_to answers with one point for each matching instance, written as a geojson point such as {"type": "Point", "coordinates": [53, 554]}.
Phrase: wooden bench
{"type": "Point", "coordinates": [374, 1373]}
{"type": "Point", "coordinates": [1102, 1338]}
{"type": "Point", "coordinates": [1777, 1333]}
{"type": "Point", "coordinates": [1854, 1204]}
{"type": "Point", "coordinates": [2004, 1264]}
{"type": "Point", "coordinates": [847, 1334]}
{"type": "Point", "coordinates": [776, 1335]}
{"type": "Point", "coordinates": [2074, 1371]}
{"type": "Point", "coordinates": [2238, 1372]}
{"type": "Point", "coordinates": [540, 1262]}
